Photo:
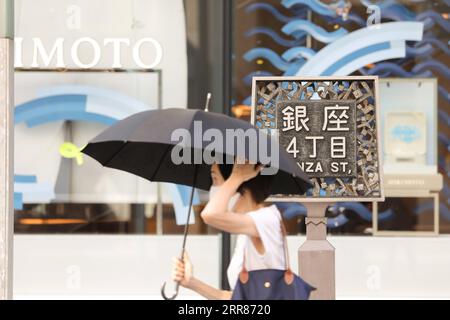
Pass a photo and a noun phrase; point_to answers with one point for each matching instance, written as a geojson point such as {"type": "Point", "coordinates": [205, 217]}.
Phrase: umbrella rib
{"type": "Point", "coordinates": [160, 163]}
{"type": "Point", "coordinates": [115, 153]}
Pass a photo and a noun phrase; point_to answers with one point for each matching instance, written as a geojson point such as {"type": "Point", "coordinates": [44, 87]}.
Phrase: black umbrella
{"type": "Point", "coordinates": [142, 144]}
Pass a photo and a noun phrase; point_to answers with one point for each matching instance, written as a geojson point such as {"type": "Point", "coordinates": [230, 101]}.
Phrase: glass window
{"type": "Point", "coordinates": [268, 38]}
{"type": "Point", "coordinates": [406, 214]}
{"type": "Point", "coordinates": [280, 37]}
{"type": "Point", "coordinates": [82, 71]}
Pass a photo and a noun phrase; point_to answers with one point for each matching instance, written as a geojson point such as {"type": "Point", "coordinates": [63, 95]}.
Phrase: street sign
{"type": "Point", "coordinates": [320, 135]}
{"type": "Point", "coordinates": [329, 126]}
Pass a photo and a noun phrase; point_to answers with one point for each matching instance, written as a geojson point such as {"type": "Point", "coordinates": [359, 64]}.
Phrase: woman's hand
{"type": "Point", "coordinates": [216, 175]}
{"type": "Point", "coordinates": [182, 271]}
{"type": "Point", "coordinates": [246, 171]}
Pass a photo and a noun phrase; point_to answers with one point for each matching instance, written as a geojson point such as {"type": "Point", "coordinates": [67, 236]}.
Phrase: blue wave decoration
{"type": "Point", "coordinates": [392, 10]}
{"type": "Point", "coordinates": [336, 222]}
{"type": "Point", "coordinates": [293, 68]}
{"type": "Point", "coordinates": [386, 215]}
{"type": "Point", "coordinates": [418, 1]}
{"type": "Point", "coordinates": [397, 12]}
{"type": "Point", "coordinates": [444, 93]}
{"type": "Point", "coordinates": [356, 207]}
{"type": "Point", "coordinates": [18, 200]}
{"type": "Point", "coordinates": [444, 166]}
{"type": "Point", "coordinates": [420, 51]}
{"type": "Point", "coordinates": [55, 108]}
{"type": "Point", "coordinates": [318, 33]}
{"type": "Point", "coordinates": [352, 17]}
{"type": "Point", "coordinates": [446, 195]}
{"type": "Point", "coordinates": [20, 178]}
{"type": "Point", "coordinates": [274, 36]}
{"type": "Point", "coordinates": [381, 74]}
{"type": "Point", "coordinates": [357, 19]}
{"type": "Point", "coordinates": [269, 8]}
{"type": "Point", "coordinates": [443, 209]}
{"type": "Point", "coordinates": [367, 3]}
{"type": "Point", "coordinates": [362, 211]}
{"type": "Point", "coordinates": [444, 212]}
{"type": "Point", "coordinates": [269, 55]}
{"type": "Point", "coordinates": [434, 65]}
{"type": "Point", "coordinates": [444, 117]}
{"type": "Point", "coordinates": [298, 53]}
{"type": "Point", "coordinates": [430, 18]}
{"type": "Point", "coordinates": [446, 191]}
{"type": "Point", "coordinates": [424, 207]}
{"type": "Point", "coordinates": [393, 68]}
{"type": "Point", "coordinates": [248, 78]}
{"type": "Point", "coordinates": [291, 209]}
{"type": "Point", "coordinates": [315, 5]}
{"type": "Point", "coordinates": [437, 43]}
{"type": "Point", "coordinates": [442, 137]}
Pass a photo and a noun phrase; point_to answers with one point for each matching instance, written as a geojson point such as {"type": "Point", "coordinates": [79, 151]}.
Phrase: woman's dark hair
{"type": "Point", "coordinates": [259, 186]}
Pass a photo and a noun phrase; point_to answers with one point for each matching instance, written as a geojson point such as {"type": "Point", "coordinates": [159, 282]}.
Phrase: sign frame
{"type": "Point", "coordinates": [300, 198]}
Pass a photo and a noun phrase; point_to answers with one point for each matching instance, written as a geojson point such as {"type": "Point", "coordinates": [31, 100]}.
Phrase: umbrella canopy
{"type": "Point", "coordinates": [142, 144]}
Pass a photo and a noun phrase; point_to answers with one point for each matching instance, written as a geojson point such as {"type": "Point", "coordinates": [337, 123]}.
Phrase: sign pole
{"type": "Point", "coordinates": [6, 147]}
{"type": "Point", "coordinates": [316, 259]}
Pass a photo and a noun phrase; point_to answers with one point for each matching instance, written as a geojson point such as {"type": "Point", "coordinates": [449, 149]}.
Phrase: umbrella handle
{"type": "Point", "coordinates": [163, 293]}
{"type": "Point", "coordinates": [177, 287]}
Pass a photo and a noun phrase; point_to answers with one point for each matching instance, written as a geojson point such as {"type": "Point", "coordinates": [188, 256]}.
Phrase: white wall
{"type": "Point", "coordinates": [122, 266]}
{"type": "Point", "coordinates": [103, 265]}
{"type": "Point", "coordinates": [390, 267]}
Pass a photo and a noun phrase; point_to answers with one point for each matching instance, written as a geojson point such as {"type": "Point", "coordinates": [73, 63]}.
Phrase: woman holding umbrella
{"type": "Point", "coordinates": [143, 144]}
{"type": "Point", "coordinates": [261, 225]}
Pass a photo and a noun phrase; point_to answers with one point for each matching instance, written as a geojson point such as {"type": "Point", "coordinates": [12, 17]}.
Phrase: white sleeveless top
{"type": "Point", "coordinates": [267, 221]}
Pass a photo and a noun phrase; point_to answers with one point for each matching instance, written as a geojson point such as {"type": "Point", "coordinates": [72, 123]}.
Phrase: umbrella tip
{"type": "Point", "coordinates": [208, 99]}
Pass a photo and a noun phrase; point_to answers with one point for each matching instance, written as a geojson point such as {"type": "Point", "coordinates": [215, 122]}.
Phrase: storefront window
{"type": "Point", "coordinates": [80, 73]}
{"type": "Point", "coordinates": [268, 38]}
{"type": "Point", "coordinates": [278, 38]}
